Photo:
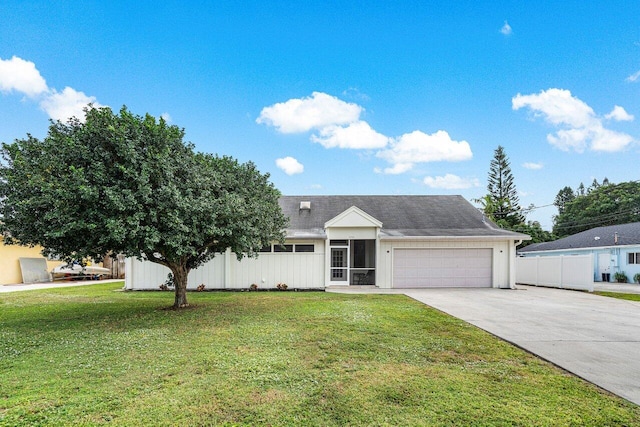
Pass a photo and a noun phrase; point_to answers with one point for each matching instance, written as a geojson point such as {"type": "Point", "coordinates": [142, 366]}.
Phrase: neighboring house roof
{"type": "Point", "coordinates": [627, 234]}
{"type": "Point", "coordinates": [401, 216]}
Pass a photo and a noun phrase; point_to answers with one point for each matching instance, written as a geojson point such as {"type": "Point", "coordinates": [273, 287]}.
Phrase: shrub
{"type": "Point", "coordinates": [621, 277]}
{"type": "Point", "coordinates": [167, 284]}
{"type": "Point", "coordinates": [636, 278]}
{"type": "Point", "coordinates": [282, 286]}
{"type": "Point", "coordinates": [253, 287]}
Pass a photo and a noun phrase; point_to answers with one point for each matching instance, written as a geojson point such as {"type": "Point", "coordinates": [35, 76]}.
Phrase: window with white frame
{"type": "Point", "coordinates": [282, 248]}
{"type": "Point", "coordinates": [633, 258]}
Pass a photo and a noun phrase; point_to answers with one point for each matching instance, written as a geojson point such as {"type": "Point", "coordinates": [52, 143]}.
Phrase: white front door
{"type": "Point", "coordinates": [340, 266]}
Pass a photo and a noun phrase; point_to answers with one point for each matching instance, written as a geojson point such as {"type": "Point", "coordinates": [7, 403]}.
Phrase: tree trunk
{"type": "Point", "coordinates": [180, 273]}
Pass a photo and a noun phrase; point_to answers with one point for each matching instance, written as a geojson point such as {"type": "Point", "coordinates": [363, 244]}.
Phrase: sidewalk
{"type": "Point", "coordinates": [626, 288]}
{"type": "Point", "coordinates": [48, 285]}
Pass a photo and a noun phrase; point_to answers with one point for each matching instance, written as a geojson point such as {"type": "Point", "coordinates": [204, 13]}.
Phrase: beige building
{"type": "Point", "coordinates": [10, 273]}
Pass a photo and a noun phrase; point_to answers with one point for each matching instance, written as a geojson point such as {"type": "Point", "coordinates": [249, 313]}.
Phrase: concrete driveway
{"type": "Point", "coordinates": [594, 337]}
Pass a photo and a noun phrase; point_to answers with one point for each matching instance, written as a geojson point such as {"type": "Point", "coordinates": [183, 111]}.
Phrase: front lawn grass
{"type": "Point", "coordinates": [629, 297]}
{"type": "Point", "coordinates": [92, 355]}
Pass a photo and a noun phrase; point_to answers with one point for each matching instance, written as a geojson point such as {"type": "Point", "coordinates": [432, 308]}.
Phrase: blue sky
{"type": "Point", "coordinates": [363, 98]}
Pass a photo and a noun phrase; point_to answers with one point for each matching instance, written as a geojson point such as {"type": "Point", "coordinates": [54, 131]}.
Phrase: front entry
{"type": "Point", "coordinates": [340, 265]}
{"type": "Point", "coordinates": [353, 262]}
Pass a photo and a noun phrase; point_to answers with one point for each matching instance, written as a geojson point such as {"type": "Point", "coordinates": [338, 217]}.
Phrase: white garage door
{"type": "Point", "coordinates": [441, 268]}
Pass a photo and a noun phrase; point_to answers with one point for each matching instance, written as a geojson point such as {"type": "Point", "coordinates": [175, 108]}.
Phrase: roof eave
{"type": "Point", "coordinates": [471, 237]}
{"type": "Point", "coordinates": [580, 248]}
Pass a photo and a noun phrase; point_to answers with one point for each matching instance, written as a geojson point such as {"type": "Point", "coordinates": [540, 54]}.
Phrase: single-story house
{"type": "Point", "coordinates": [382, 241]}
{"type": "Point", "coordinates": [10, 270]}
{"type": "Point", "coordinates": [615, 248]}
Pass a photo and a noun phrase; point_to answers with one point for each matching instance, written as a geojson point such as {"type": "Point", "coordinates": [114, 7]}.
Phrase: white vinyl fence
{"type": "Point", "coordinates": [564, 272]}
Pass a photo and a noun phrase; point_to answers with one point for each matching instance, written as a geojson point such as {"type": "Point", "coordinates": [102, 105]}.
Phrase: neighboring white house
{"type": "Point", "coordinates": [384, 241]}
{"type": "Point", "coordinates": [615, 248]}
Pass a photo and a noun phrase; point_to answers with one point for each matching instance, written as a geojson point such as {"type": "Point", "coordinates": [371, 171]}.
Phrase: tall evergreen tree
{"type": "Point", "coordinates": [563, 197]}
{"type": "Point", "coordinates": [502, 191]}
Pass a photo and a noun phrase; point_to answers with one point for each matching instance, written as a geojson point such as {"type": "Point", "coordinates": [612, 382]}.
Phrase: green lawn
{"type": "Point", "coordinates": [629, 297]}
{"type": "Point", "coordinates": [92, 355]}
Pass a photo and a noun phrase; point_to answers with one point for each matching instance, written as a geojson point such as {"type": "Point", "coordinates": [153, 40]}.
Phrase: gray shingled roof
{"type": "Point", "coordinates": [628, 234]}
{"type": "Point", "coordinates": [401, 216]}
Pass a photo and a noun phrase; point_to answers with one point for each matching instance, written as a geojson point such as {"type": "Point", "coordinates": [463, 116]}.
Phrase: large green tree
{"type": "Point", "coordinates": [564, 196]}
{"type": "Point", "coordinates": [533, 229]}
{"type": "Point", "coordinates": [501, 204]}
{"type": "Point", "coordinates": [128, 184]}
{"type": "Point", "coordinates": [603, 205]}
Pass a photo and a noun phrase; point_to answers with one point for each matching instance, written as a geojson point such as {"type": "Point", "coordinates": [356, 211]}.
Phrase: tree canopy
{"type": "Point", "coordinates": [123, 183]}
{"type": "Point", "coordinates": [564, 196]}
{"type": "Point", "coordinates": [606, 204]}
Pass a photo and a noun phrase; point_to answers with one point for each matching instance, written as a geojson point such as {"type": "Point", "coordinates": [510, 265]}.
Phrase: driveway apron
{"type": "Point", "coordinates": [594, 337]}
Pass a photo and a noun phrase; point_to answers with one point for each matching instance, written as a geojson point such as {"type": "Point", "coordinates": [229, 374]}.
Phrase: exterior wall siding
{"type": "Point", "coordinates": [297, 270]}
{"type": "Point", "coordinates": [352, 233]}
{"type": "Point", "coordinates": [149, 276]}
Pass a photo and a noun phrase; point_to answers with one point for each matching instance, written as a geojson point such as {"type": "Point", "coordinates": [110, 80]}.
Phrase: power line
{"type": "Point", "coordinates": [599, 220]}
{"type": "Point", "coordinates": [533, 208]}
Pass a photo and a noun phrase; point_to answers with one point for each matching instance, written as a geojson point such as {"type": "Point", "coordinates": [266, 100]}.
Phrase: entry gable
{"type": "Point", "coordinates": [353, 217]}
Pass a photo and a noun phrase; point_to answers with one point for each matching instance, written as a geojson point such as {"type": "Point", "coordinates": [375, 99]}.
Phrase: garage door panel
{"type": "Point", "coordinates": [431, 268]}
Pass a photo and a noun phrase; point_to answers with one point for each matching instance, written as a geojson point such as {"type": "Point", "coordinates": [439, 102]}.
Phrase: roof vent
{"type": "Point", "coordinates": [305, 206]}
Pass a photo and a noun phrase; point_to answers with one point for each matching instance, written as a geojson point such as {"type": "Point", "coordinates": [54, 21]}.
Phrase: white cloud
{"type": "Point", "coordinates": [66, 104]}
{"type": "Point", "coordinates": [451, 182]}
{"type": "Point", "coordinates": [633, 77]}
{"type": "Point", "coordinates": [418, 147]}
{"type": "Point", "coordinates": [19, 75]}
{"type": "Point", "coordinates": [506, 29]}
{"type": "Point", "coordinates": [619, 114]}
{"type": "Point", "coordinates": [354, 93]}
{"type": "Point", "coordinates": [290, 166]}
{"type": "Point", "coordinates": [533, 166]}
{"type": "Point", "coordinates": [314, 112]}
{"type": "Point", "coordinates": [580, 127]}
{"type": "Point", "coordinates": [167, 117]}
{"type": "Point", "coordinates": [22, 76]}
{"type": "Point", "coordinates": [557, 106]}
{"type": "Point", "coordinates": [337, 124]}
{"type": "Point", "coordinates": [396, 169]}
{"type": "Point", "coordinates": [609, 140]}
{"type": "Point", "coordinates": [357, 135]}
